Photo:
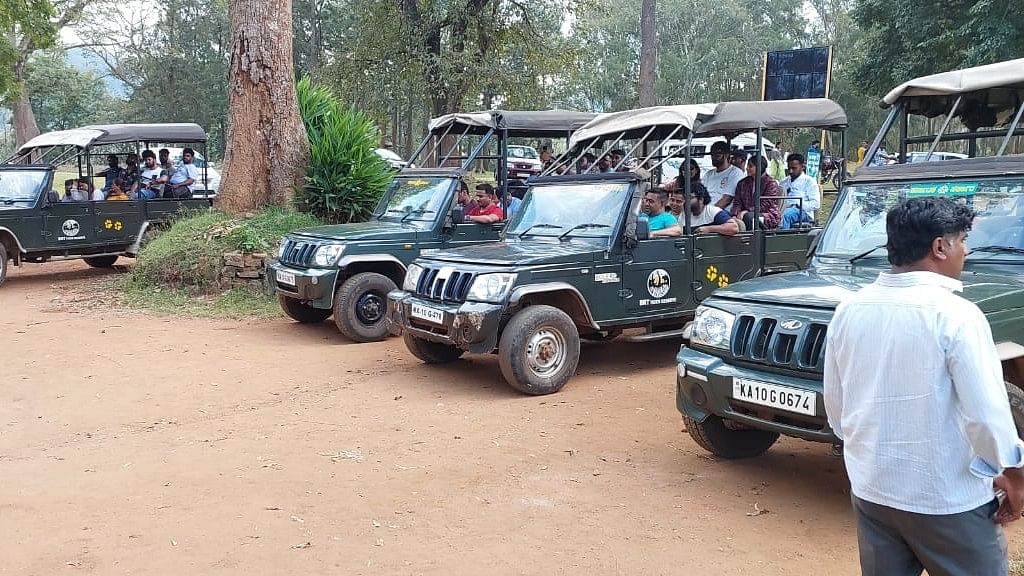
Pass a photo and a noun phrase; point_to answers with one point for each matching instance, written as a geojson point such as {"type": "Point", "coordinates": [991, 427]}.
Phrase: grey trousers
{"type": "Point", "coordinates": [897, 543]}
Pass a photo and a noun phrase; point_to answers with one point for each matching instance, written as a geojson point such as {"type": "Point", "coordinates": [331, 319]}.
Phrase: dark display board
{"type": "Point", "coordinates": [803, 73]}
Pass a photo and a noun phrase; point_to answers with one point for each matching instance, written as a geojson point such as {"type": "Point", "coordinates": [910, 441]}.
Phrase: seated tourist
{"type": "Point", "coordinates": [151, 178]}
{"type": "Point", "coordinates": [131, 175]}
{"type": "Point", "coordinates": [184, 177]}
{"type": "Point", "coordinates": [802, 194]}
{"type": "Point", "coordinates": [72, 193]}
{"type": "Point", "coordinates": [113, 172]}
{"type": "Point", "coordinates": [706, 218]}
{"type": "Point", "coordinates": [91, 192]}
{"type": "Point", "coordinates": [117, 190]}
{"type": "Point", "coordinates": [487, 210]}
{"type": "Point", "coordinates": [743, 202]}
{"type": "Point", "coordinates": [660, 222]}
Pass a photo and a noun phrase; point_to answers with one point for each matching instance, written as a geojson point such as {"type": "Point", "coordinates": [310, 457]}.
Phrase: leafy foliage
{"type": "Point", "coordinates": [64, 97]}
{"type": "Point", "coordinates": [345, 177]}
{"type": "Point", "coordinates": [25, 23]}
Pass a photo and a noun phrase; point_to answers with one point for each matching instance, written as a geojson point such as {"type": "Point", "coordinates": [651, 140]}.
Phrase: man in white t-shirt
{"type": "Point", "coordinates": [150, 184]}
{"type": "Point", "coordinates": [705, 217]}
{"type": "Point", "coordinates": [185, 175]}
{"type": "Point", "coordinates": [721, 180]}
{"type": "Point", "coordinates": [803, 196]}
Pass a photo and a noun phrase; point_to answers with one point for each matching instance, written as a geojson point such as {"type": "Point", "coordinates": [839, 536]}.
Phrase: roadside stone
{"type": "Point", "coordinates": [236, 259]}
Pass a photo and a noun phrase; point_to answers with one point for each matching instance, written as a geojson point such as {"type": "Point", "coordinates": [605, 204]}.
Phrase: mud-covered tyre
{"type": "Point", "coordinates": [714, 436]}
{"type": "Point", "coordinates": [4, 262]}
{"type": "Point", "coordinates": [1016, 406]}
{"type": "Point", "coordinates": [101, 261]}
{"type": "Point", "coordinates": [300, 312]}
{"type": "Point", "coordinates": [431, 352]}
{"type": "Point", "coordinates": [361, 305]}
{"type": "Point", "coordinates": [539, 350]}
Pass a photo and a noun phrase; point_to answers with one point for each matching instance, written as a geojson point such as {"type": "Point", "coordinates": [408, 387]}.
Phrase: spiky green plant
{"type": "Point", "coordinates": [345, 177]}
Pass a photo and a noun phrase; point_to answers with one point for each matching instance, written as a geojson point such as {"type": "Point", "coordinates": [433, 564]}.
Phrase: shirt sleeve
{"type": "Point", "coordinates": [812, 195]}
{"type": "Point", "coordinates": [974, 366]}
{"type": "Point", "coordinates": [833, 395]}
{"type": "Point", "coordinates": [722, 217]}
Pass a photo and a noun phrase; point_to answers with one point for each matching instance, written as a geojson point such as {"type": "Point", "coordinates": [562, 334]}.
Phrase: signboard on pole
{"type": "Point", "coordinates": [802, 73]}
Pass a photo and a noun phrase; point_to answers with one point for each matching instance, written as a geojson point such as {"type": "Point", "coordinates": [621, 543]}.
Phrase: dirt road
{"type": "Point", "coordinates": [132, 444]}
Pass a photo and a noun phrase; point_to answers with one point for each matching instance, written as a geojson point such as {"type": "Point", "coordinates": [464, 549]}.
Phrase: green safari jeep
{"type": "Point", "coordinates": [346, 270]}
{"type": "Point", "coordinates": [36, 226]}
{"type": "Point", "coordinates": [754, 366]}
{"type": "Point", "coordinates": [577, 262]}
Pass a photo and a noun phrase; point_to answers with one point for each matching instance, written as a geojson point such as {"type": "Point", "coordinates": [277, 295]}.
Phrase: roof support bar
{"type": "Point", "coordinates": [886, 126]}
{"type": "Point", "coordinates": [633, 149]}
{"type": "Point", "coordinates": [1013, 128]}
{"type": "Point", "coordinates": [456, 145]}
{"type": "Point", "coordinates": [437, 142]}
{"type": "Point", "coordinates": [591, 167]}
{"type": "Point", "coordinates": [582, 152]}
{"type": "Point", "coordinates": [660, 146]}
{"type": "Point", "coordinates": [945, 124]}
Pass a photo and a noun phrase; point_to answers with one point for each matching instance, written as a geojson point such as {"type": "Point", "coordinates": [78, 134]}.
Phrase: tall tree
{"type": "Point", "coordinates": [267, 148]}
{"type": "Point", "coordinates": [64, 97]}
{"type": "Point", "coordinates": [648, 52]}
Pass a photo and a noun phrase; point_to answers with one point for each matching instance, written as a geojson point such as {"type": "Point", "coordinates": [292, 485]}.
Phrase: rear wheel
{"type": "Point", "coordinates": [431, 352]}
{"type": "Point", "coordinates": [101, 261]}
{"type": "Point", "coordinates": [300, 312]}
{"type": "Point", "coordinates": [539, 350]}
{"type": "Point", "coordinates": [3, 263]}
{"type": "Point", "coordinates": [717, 437]}
{"type": "Point", "coordinates": [361, 305]}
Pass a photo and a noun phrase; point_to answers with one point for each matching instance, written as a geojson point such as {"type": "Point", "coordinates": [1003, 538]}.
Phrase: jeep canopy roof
{"type": "Point", "coordinates": [516, 122]}
{"type": "Point", "coordinates": [731, 118]}
{"type": "Point", "coordinates": [636, 123]}
{"type": "Point", "coordinates": [999, 85]}
{"type": "Point", "coordinates": [98, 135]}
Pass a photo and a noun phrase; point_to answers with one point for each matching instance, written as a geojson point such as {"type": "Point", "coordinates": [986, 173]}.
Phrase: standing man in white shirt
{"type": "Point", "coordinates": [914, 389]}
{"type": "Point", "coordinates": [803, 196]}
{"type": "Point", "coordinates": [721, 180]}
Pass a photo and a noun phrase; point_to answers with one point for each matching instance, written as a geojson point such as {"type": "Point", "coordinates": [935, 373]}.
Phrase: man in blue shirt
{"type": "Point", "coordinates": [660, 222]}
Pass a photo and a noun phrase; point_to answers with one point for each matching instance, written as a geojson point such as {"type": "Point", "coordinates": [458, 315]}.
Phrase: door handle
{"type": "Point", "coordinates": [680, 243]}
{"type": "Point", "coordinates": [745, 241]}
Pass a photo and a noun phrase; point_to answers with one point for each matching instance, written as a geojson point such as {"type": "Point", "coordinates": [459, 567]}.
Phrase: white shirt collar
{"type": "Point", "coordinates": [920, 278]}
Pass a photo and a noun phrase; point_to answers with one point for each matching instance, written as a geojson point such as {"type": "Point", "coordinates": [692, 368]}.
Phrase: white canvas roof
{"type": "Point", "coordinates": [80, 137]}
{"type": "Point", "coordinates": [631, 121]}
{"type": "Point", "coordinates": [1001, 74]}
{"type": "Point", "coordinates": [474, 119]}
{"type": "Point", "coordinates": [103, 134]}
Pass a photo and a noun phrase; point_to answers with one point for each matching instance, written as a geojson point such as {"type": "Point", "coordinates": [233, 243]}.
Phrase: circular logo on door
{"type": "Point", "coordinates": [70, 228]}
{"type": "Point", "coordinates": [658, 283]}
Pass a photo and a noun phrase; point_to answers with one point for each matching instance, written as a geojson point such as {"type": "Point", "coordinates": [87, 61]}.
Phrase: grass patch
{"type": "Point", "coordinates": [236, 303]}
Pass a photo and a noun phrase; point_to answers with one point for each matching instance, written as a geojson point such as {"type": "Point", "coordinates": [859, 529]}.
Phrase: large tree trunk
{"type": "Point", "coordinates": [648, 52]}
{"type": "Point", "coordinates": [24, 120]}
{"type": "Point", "coordinates": [267, 148]}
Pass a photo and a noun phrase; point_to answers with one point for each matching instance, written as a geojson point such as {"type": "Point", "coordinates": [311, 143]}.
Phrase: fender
{"type": "Point", "coordinates": [518, 293]}
{"type": "Point", "coordinates": [137, 245]}
{"type": "Point", "coordinates": [347, 260]}
{"type": "Point", "coordinates": [15, 236]}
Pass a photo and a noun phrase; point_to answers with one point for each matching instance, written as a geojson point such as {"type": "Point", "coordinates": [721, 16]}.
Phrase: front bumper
{"type": "Point", "coordinates": [471, 326]}
{"type": "Point", "coordinates": [707, 377]}
{"type": "Point", "coordinates": [314, 286]}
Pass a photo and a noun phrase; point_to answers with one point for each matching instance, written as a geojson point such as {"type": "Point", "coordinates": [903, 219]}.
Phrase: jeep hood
{"type": "Point", "coordinates": [373, 230]}
{"type": "Point", "coordinates": [826, 287]}
{"type": "Point", "coordinates": [514, 254]}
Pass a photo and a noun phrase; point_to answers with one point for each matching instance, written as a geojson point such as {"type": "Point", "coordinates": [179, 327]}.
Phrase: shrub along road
{"type": "Point", "coordinates": [141, 444]}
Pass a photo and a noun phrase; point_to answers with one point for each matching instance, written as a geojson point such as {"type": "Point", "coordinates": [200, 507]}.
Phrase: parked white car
{"type": "Point", "coordinates": [523, 161]}
{"type": "Point", "coordinates": [392, 158]}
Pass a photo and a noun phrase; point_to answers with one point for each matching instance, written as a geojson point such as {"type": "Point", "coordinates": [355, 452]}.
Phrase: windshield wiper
{"type": "Point", "coordinates": [411, 212]}
{"type": "Point", "coordinates": [581, 227]}
{"type": "Point", "coordinates": [865, 254]}
{"type": "Point", "coordinates": [540, 225]}
{"type": "Point", "coordinates": [994, 249]}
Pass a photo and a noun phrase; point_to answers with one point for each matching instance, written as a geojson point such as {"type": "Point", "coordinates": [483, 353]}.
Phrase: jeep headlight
{"type": "Point", "coordinates": [328, 254]}
{"type": "Point", "coordinates": [412, 277]}
{"type": "Point", "coordinates": [491, 287]}
{"type": "Point", "coordinates": [712, 327]}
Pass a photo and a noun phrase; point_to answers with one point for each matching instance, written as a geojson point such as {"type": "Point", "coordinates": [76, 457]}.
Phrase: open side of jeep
{"type": "Point", "coordinates": [577, 260]}
{"type": "Point", "coordinates": [36, 226]}
{"type": "Point", "coordinates": [346, 270]}
{"type": "Point", "coordinates": [753, 368]}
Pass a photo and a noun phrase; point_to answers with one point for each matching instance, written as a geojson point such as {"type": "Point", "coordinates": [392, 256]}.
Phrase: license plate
{"type": "Point", "coordinates": [286, 277]}
{"type": "Point", "coordinates": [782, 397]}
{"type": "Point", "coordinates": [427, 313]}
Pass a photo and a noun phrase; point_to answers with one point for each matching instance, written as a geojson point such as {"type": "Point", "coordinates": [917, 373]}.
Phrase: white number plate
{"type": "Point", "coordinates": [782, 397]}
{"type": "Point", "coordinates": [286, 277]}
{"type": "Point", "coordinates": [429, 314]}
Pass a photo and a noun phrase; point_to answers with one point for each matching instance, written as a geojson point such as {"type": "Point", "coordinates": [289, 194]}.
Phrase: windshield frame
{"type": "Point", "coordinates": [426, 220]}
{"type": "Point", "coordinates": [1015, 209]}
{"type": "Point", "coordinates": [40, 192]}
{"type": "Point", "coordinates": [605, 237]}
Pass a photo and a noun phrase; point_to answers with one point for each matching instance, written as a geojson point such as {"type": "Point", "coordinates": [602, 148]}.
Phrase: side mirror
{"type": "Point", "coordinates": [813, 236]}
{"type": "Point", "coordinates": [643, 229]}
{"type": "Point", "coordinates": [458, 215]}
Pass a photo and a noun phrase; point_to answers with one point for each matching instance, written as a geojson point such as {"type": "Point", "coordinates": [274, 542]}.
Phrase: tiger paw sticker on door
{"type": "Point", "coordinates": [716, 277]}
{"type": "Point", "coordinates": [113, 225]}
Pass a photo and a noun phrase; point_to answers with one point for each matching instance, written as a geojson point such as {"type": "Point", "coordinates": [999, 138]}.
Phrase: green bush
{"type": "Point", "coordinates": [189, 254]}
{"type": "Point", "coordinates": [345, 177]}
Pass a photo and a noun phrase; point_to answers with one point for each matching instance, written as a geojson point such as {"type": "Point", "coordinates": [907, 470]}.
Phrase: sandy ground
{"type": "Point", "coordinates": [133, 444]}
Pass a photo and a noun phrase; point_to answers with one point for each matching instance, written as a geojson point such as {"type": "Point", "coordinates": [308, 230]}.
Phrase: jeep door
{"type": "Point", "coordinates": [118, 221]}
{"type": "Point", "coordinates": [469, 233]}
{"type": "Point", "coordinates": [68, 225]}
{"type": "Point", "coordinates": [721, 260]}
{"type": "Point", "coordinates": [656, 276]}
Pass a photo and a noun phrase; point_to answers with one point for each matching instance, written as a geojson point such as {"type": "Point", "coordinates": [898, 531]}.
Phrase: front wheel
{"type": "Point", "coordinates": [715, 436]}
{"type": "Point", "coordinates": [361, 305]}
{"type": "Point", "coordinates": [539, 350]}
{"type": "Point", "coordinates": [300, 312]}
{"type": "Point", "coordinates": [3, 263]}
{"type": "Point", "coordinates": [101, 261]}
{"type": "Point", "coordinates": [431, 352]}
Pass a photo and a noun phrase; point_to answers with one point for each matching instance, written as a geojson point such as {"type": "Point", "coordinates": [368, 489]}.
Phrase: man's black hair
{"type": "Point", "coordinates": [659, 193]}
{"type": "Point", "coordinates": [720, 145]}
{"type": "Point", "coordinates": [698, 190]}
{"type": "Point", "coordinates": [486, 189]}
{"type": "Point", "coordinates": [188, 151]}
{"type": "Point", "coordinates": [618, 152]}
{"type": "Point", "coordinates": [588, 156]}
{"type": "Point", "coordinates": [816, 142]}
{"type": "Point", "coordinates": [737, 153]}
{"type": "Point", "coordinates": [912, 226]}
{"type": "Point", "coordinates": [795, 156]}
{"type": "Point", "coordinates": [111, 157]}
{"type": "Point", "coordinates": [148, 154]}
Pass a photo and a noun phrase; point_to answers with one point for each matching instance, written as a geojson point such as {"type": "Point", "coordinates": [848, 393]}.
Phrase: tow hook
{"type": "Point", "coordinates": [837, 450]}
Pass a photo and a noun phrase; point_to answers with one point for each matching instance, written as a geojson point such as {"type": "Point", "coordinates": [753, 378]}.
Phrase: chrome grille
{"type": "Point", "coordinates": [298, 253]}
{"type": "Point", "coordinates": [445, 284]}
{"type": "Point", "coordinates": [769, 341]}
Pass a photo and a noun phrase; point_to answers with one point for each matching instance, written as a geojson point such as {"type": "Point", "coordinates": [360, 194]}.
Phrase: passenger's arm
{"type": "Point", "coordinates": [484, 219]}
{"type": "Point", "coordinates": [724, 201]}
{"type": "Point", "coordinates": [730, 228]}
{"type": "Point", "coordinates": [673, 230]}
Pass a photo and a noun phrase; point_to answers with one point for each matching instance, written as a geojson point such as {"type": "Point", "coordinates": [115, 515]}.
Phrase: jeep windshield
{"type": "Point", "coordinates": [567, 211]}
{"type": "Point", "coordinates": [857, 229]}
{"type": "Point", "coordinates": [414, 199]}
{"type": "Point", "coordinates": [20, 185]}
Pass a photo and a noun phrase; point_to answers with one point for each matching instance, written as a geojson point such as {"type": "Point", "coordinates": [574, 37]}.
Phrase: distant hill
{"type": "Point", "coordinates": [85, 61]}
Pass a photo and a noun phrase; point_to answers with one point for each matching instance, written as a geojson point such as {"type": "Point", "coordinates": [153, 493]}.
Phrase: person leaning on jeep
{"type": "Point", "coordinates": [487, 209]}
{"type": "Point", "coordinates": [660, 222]}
